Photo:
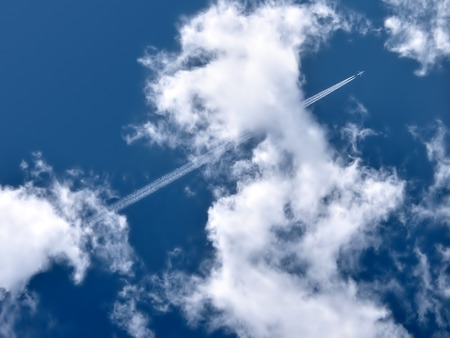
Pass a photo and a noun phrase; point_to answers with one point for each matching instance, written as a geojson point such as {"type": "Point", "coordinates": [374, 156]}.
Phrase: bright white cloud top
{"type": "Point", "coordinates": [33, 235]}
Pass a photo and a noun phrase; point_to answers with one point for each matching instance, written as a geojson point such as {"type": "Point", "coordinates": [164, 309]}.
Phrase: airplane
{"type": "Point", "coordinates": [360, 73]}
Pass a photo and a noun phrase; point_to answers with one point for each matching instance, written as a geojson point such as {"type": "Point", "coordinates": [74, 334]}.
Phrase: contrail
{"type": "Point", "coordinates": [208, 157]}
{"type": "Point", "coordinates": [323, 93]}
{"type": "Point", "coordinates": [174, 175]}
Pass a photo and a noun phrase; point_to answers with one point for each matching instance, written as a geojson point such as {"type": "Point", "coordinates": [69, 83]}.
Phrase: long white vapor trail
{"type": "Point", "coordinates": [208, 157]}
{"type": "Point", "coordinates": [323, 93]}
{"type": "Point", "coordinates": [174, 175]}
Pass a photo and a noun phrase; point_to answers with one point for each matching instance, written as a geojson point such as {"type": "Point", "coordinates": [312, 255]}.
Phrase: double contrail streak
{"type": "Point", "coordinates": [323, 93]}
{"type": "Point", "coordinates": [208, 157]}
{"type": "Point", "coordinates": [174, 175]}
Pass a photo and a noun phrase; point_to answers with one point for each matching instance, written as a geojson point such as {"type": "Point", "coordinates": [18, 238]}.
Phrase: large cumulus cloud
{"type": "Point", "coordinates": [296, 203]}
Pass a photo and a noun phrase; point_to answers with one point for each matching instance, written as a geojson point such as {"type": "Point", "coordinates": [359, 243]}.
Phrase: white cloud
{"type": "Point", "coordinates": [13, 307]}
{"type": "Point", "coordinates": [431, 287]}
{"type": "Point", "coordinates": [444, 278]}
{"type": "Point", "coordinates": [420, 30]}
{"type": "Point", "coordinates": [435, 203]}
{"type": "Point", "coordinates": [45, 221]}
{"type": "Point", "coordinates": [297, 204]}
{"type": "Point", "coordinates": [357, 108]}
{"type": "Point", "coordinates": [223, 46]}
{"type": "Point", "coordinates": [126, 314]}
{"type": "Point", "coordinates": [431, 213]}
{"type": "Point", "coordinates": [267, 276]}
{"type": "Point", "coordinates": [31, 235]}
{"type": "Point", "coordinates": [355, 134]}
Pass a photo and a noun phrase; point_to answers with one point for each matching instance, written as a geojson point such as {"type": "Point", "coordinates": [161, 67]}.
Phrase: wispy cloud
{"type": "Point", "coordinates": [355, 134]}
{"type": "Point", "coordinates": [434, 212]}
{"type": "Point", "coordinates": [419, 30]}
{"type": "Point", "coordinates": [418, 274]}
{"type": "Point", "coordinates": [126, 314]}
{"type": "Point", "coordinates": [435, 201]}
{"type": "Point", "coordinates": [44, 223]}
{"type": "Point", "coordinates": [13, 307]}
{"type": "Point", "coordinates": [356, 107]}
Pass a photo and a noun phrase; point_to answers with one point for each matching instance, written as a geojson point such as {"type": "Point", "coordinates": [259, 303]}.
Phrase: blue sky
{"type": "Point", "coordinates": [330, 221]}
